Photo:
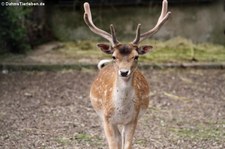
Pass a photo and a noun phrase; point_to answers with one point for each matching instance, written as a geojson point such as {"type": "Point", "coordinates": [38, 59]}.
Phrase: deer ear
{"type": "Point", "coordinates": [144, 49]}
{"type": "Point", "coordinates": [105, 48]}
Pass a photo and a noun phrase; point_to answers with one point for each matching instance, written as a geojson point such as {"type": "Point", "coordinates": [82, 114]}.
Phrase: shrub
{"type": "Point", "coordinates": [13, 34]}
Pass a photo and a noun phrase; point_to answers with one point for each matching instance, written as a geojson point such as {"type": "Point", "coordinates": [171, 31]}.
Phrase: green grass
{"type": "Point", "coordinates": [175, 50]}
{"type": "Point", "coordinates": [183, 50]}
{"type": "Point", "coordinates": [80, 137]}
{"type": "Point", "coordinates": [90, 139]}
{"type": "Point", "coordinates": [202, 132]}
{"type": "Point", "coordinates": [82, 49]}
{"type": "Point", "coordinates": [63, 140]}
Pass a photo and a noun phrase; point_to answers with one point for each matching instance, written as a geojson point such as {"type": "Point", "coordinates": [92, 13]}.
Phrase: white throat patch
{"type": "Point", "coordinates": [124, 99]}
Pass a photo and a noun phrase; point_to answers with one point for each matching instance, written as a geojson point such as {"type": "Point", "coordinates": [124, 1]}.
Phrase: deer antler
{"type": "Point", "coordinates": [88, 20]}
{"type": "Point", "coordinates": [162, 19]}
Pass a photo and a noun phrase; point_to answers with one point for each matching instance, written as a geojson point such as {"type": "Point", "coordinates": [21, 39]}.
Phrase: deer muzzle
{"type": "Point", "coordinates": [124, 72]}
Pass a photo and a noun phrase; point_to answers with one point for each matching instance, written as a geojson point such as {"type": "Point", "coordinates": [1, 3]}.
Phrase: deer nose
{"type": "Point", "coordinates": [124, 72]}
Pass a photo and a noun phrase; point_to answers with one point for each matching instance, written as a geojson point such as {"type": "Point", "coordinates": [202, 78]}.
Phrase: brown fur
{"type": "Point", "coordinates": [102, 98]}
{"type": "Point", "coordinates": [120, 93]}
{"type": "Point", "coordinates": [105, 82]}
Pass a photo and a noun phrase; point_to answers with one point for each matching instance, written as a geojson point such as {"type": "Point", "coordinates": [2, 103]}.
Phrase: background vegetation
{"type": "Point", "coordinates": [13, 33]}
{"type": "Point", "coordinates": [23, 28]}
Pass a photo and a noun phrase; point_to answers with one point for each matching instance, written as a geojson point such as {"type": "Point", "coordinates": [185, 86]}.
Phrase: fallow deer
{"type": "Point", "coordinates": [120, 92]}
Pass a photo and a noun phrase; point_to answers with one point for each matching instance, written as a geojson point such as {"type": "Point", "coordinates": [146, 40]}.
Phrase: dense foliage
{"type": "Point", "coordinates": [13, 33]}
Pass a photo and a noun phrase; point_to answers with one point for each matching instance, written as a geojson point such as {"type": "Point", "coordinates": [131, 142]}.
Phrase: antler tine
{"type": "Point", "coordinates": [93, 28]}
{"type": "Point", "coordinates": [138, 33]}
{"type": "Point", "coordinates": [113, 33]}
{"type": "Point", "coordinates": [162, 19]}
{"type": "Point", "coordinates": [164, 9]}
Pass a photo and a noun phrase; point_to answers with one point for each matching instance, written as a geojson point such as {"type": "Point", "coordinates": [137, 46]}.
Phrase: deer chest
{"type": "Point", "coordinates": [124, 106]}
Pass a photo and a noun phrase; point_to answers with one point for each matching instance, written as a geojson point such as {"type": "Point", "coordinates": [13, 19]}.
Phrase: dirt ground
{"type": "Point", "coordinates": [51, 110]}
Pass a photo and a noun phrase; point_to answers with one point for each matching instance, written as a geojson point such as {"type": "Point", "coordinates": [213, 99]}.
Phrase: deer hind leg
{"type": "Point", "coordinates": [112, 135]}
{"type": "Point", "coordinates": [127, 134]}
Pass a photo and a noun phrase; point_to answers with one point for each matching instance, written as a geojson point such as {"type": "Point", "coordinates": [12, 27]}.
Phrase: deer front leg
{"type": "Point", "coordinates": [112, 135]}
{"type": "Point", "coordinates": [127, 134]}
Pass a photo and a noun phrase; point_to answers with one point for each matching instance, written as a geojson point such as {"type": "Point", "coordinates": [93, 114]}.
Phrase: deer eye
{"type": "Point", "coordinates": [136, 58]}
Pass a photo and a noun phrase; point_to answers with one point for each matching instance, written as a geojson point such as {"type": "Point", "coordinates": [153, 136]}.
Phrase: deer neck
{"type": "Point", "coordinates": [123, 100]}
{"type": "Point", "coordinates": [124, 88]}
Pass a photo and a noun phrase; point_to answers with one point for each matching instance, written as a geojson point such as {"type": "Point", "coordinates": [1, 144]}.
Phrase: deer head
{"type": "Point", "coordinates": [125, 56]}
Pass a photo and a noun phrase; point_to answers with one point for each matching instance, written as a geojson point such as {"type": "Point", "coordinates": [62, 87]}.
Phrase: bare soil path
{"type": "Point", "coordinates": [51, 110]}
